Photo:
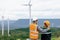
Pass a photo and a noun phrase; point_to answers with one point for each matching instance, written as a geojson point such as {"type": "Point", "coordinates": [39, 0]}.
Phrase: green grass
{"type": "Point", "coordinates": [23, 34]}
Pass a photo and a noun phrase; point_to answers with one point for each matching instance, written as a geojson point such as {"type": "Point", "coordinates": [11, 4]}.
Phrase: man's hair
{"type": "Point", "coordinates": [33, 21]}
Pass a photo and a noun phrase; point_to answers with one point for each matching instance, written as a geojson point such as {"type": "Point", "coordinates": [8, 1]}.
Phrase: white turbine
{"type": "Point", "coordinates": [52, 24]}
{"type": "Point", "coordinates": [29, 4]}
{"type": "Point", "coordinates": [2, 25]}
{"type": "Point", "coordinates": [8, 27]}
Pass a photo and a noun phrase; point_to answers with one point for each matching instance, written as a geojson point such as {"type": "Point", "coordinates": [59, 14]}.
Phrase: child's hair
{"type": "Point", "coordinates": [46, 23]}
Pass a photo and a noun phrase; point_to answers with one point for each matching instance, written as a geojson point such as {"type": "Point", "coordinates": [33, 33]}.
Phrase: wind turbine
{"type": "Point", "coordinates": [8, 26]}
{"type": "Point", "coordinates": [2, 25]}
{"type": "Point", "coordinates": [29, 5]}
{"type": "Point", "coordinates": [52, 24]}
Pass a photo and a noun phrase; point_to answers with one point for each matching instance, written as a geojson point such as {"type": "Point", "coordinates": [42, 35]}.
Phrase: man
{"type": "Point", "coordinates": [33, 29]}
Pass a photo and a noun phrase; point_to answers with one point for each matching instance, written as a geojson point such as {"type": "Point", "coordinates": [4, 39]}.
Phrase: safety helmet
{"type": "Point", "coordinates": [34, 19]}
{"type": "Point", "coordinates": [47, 23]}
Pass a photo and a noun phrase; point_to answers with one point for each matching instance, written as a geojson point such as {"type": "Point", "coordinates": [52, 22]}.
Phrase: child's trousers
{"type": "Point", "coordinates": [46, 36]}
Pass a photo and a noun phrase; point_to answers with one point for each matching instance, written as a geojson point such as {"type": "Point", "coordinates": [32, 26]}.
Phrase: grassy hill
{"type": "Point", "coordinates": [23, 34]}
{"type": "Point", "coordinates": [24, 23]}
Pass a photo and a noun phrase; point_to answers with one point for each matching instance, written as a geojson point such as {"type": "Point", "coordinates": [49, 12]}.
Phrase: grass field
{"type": "Point", "coordinates": [23, 34]}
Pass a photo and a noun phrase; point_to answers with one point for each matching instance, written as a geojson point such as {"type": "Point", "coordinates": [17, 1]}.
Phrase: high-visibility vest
{"type": "Point", "coordinates": [33, 31]}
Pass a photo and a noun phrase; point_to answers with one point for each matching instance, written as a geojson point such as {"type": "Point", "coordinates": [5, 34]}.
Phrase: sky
{"type": "Point", "coordinates": [42, 9]}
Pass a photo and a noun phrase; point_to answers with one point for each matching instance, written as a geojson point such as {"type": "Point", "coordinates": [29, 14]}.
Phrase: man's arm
{"type": "Point", "coordinates": [42, 30]}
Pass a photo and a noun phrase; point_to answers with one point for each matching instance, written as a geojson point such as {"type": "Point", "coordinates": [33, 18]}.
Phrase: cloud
{"type": "Point", "coordinates": [40, 8]}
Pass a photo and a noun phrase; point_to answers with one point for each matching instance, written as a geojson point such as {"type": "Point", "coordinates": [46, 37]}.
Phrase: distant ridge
{"type": "Point", "coordinates": [24, 23]}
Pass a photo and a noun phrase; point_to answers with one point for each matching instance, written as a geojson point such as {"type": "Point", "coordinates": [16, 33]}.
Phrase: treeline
{"type": "Point", "coordinates": [23, 34]}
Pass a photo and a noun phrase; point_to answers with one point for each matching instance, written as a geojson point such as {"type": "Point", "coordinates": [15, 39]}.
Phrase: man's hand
{"type": "Point", "coordinates": [48, 28]}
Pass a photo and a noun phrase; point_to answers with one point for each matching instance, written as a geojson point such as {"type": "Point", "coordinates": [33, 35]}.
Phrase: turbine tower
{"type": "Point", "coordinates": [52, 24]}
{"type": "Point", "coordinates": [2, 25]}
{"type": "Point", "coordinates": [29, 5]}
{"type": "Point", "coordinates": [8, 27]}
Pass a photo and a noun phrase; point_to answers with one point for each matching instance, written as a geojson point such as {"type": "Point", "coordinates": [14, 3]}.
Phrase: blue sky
{"type": "Point", "coordinates": [40, 8]}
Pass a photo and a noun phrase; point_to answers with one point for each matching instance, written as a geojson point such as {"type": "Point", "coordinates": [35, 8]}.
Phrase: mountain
{"type": "Point", "coordinates": [6, 24]}
{"type": "Point", "coordinates": [53, 22]}
{"type": "Point", "coordinates": [24, 23]}
{"type": "Point", "coordinates": [21, 23]}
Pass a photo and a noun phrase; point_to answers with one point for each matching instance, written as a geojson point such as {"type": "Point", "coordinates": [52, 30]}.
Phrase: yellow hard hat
{"type": "Point", "coordinates": [47, 23]}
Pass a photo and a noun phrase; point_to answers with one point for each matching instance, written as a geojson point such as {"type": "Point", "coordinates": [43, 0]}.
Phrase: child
{"type": "Point", "coordinates": [47, 34]}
